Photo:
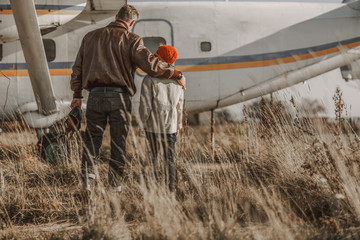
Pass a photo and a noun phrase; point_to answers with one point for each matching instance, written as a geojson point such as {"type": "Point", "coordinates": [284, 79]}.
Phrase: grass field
{"type": "Point", "coordinates": [270, 179]}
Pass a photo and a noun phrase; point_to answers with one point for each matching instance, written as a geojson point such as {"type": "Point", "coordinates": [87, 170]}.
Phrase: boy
{"type": "Point", "coordinates": [161, 105]}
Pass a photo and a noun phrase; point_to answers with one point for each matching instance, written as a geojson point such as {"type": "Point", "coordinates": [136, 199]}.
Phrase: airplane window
{"type": "Point", "coordinates": [1, 52]}
{"type": "Point", "coordinates": [50, 49]}
{"type": "Point", "coordinates": [153, 43]}
{"type": "Point", "coordinates": [205, 46]}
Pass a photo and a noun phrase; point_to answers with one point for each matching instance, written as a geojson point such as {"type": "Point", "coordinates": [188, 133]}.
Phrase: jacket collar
{"type": "Point", "coordinates": [119, 24]}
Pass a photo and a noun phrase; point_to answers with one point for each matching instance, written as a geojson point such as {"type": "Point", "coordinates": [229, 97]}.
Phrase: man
{"type": "Point", "coordinates": [105, 66]}
{"type": "Point", "coordinates": [161, 105]}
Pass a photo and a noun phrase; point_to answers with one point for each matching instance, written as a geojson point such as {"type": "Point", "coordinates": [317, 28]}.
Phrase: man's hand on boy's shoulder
{"type": "Point", "coordinates": [182, 82]}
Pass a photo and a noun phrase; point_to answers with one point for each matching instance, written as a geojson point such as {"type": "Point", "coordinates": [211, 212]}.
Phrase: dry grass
{"type": "Point", "coordinates": [269, 180]}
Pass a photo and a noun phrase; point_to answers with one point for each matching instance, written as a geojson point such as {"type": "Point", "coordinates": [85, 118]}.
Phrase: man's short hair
{"type": "Point", "coordinates": [128, 13]}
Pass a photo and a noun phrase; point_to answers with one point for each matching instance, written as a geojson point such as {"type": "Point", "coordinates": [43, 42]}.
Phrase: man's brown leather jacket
{"type": "Point", "coordinates": [110, 56]}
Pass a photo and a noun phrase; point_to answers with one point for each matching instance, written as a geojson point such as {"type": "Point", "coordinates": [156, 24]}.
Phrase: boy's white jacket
{"type": "Point", "coordinates": [161, 105]}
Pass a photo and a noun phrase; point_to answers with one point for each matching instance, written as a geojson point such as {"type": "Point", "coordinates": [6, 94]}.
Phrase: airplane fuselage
{"type": "Point", "coordinates": [224, 48]}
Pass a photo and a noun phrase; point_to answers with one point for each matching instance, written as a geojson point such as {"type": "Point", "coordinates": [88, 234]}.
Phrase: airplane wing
{"type": "Point", "coordinates": [88, 16]}
{"type": "Point", "coordinates": [105, 5]}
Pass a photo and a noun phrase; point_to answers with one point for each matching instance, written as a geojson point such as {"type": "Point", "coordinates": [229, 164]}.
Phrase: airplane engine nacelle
{"type": "Point", "coordinates": [351, 71]}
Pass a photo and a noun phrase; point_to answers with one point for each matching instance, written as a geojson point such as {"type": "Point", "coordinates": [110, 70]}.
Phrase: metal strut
{"type": "Point", "coordinates": [28, 28]}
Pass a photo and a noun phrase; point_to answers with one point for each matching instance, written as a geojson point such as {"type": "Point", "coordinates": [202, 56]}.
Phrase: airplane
{"type": "Point", "coordinates": [229, 51]}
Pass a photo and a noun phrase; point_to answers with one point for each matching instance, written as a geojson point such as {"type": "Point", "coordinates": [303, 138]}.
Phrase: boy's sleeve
{"type": "Point", "coordinates": [179, 109]}
{"type": "Point", "coordinates": [145, 100]}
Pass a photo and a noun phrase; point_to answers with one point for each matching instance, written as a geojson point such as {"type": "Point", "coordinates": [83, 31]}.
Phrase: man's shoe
{"type": "Point", "coordinates": [90, 182]}
{"type": "Point", "coordinates": [118, 189]}
{"type": "Point", "coordinates": [115, 190]}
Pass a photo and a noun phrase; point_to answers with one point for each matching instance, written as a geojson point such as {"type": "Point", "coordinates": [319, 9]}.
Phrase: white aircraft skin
{"type": "Point", "coordinates": [256, 47]}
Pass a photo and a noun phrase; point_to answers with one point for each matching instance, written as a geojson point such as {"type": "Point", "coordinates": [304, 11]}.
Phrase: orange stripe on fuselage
{"type": "Point", "coordinates": [44, 12]}
{"type": "Point", "coordinates": [24, 73]}
{"type": "Point", "coordinates": [264, 63]}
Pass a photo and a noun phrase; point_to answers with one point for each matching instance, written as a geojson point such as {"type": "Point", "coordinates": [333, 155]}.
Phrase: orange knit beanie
{"type": "Point", "coordinates": [167, 53]}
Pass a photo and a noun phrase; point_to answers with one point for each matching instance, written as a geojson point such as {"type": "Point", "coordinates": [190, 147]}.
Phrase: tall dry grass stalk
{"type": "Point", "coordinates": [283, 177]}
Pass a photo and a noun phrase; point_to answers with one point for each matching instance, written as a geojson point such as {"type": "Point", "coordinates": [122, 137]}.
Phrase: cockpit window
{"type": "Point", "coordinates": [153, 43]}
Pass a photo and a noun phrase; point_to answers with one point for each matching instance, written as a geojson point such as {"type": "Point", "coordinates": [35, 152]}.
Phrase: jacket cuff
{"type": "Point", "coordinates": [78, 94]}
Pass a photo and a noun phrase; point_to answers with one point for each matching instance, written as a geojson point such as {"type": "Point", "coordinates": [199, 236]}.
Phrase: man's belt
{"type": "Point", "coordinates": [108, 89]}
